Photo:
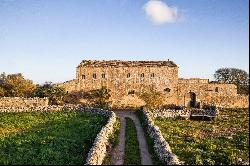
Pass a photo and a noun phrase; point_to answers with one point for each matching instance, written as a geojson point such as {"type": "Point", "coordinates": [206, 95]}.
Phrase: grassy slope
{"type": "Point", "coordinates": [209, 142]}
{"type": "Point", "coordinates": [132, 152]}
{"type": "Point", "coordinates": [47, 138]}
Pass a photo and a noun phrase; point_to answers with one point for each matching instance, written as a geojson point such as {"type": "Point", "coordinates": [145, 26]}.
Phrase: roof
{"type": "Point", "coordinates": [119, 63]}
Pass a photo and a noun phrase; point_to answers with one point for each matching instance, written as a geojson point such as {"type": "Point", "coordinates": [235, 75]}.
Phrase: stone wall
{"type": "Point", "coordinates": [69, 86]}
{"type": "Point", "coordinates": [22, 102]}
{"type": "Point", "coordinates": [98, 151]}
{"type": "Point", "coordinates": [161, 147]}
{"type": "Point", "coordinates": [125, 78]}
{"type": "Point", "coordinates": [184, 112]}
{"type": "Point", "coordinates": [237, 101]}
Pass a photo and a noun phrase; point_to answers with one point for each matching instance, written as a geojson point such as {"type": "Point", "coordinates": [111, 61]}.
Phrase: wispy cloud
{"type": "Point", "coordinates": [159, 12]}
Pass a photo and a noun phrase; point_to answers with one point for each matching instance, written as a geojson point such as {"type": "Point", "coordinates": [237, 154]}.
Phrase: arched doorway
{"type": "Point", "coordinates": [192, 102]}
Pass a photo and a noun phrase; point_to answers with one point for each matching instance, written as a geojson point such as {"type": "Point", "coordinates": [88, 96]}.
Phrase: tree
{"type": "Point", "coordinates": [15, 85]}
{"type": "Point", "coordinates": [153, 99]}
{"type": "Point", "coordinates": [234, 76]}
{"type": "Point", "coordinates": [101, 96]}
{"type": "Point", "coordinates": [1, 92]}
{"type": "Point", "coordinates": [54, 93]}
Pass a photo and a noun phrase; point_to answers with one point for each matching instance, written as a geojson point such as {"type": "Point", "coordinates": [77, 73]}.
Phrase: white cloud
{"type": "Point", "coordinates": [159, 12]}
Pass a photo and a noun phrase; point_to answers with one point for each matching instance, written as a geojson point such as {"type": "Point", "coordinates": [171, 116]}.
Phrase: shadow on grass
{"type": "Point", "coordinates": [61, 140]}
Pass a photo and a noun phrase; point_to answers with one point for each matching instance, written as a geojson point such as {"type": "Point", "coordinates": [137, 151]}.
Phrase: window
{"type": "Point", "coordinates": [130, 92]}
{"type": "Point", "coordinates": [103, 76]}
{"type": "Point", "coordinates": [142, 74]}
{"type": "Point", "coordinates": [83, 76]}
{"type": "Point", "coordinates": [216, 89]}
{"type": "Point", "coordinates": [167, 90]}
{"type": "Point", "coordinates": [128, 75]}
{"type": "Point", "coordinates": [152, 75]}
{"type": "Point", "coordinates": [94, 76]}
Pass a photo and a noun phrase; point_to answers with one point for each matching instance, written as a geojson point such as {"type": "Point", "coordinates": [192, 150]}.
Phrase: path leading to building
{"type": "Point", "coordinates": [118, 152]}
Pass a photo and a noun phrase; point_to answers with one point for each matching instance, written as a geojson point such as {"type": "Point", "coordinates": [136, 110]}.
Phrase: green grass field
{"type": "Point", "coordinates": [223, 141]}
{"type": "Point", "coordinates": [47, 138]}
{"type": "Point", "coordinates": [132, 151]}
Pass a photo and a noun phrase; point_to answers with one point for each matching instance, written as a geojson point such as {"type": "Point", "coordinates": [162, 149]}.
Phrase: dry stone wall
{"type": "Point", "coordinates": [98, 150]}
{"type": "Point", "coordinates": [23, 102]}
{"type": "Point", "coordinates": [161, 147]}
{"type": "Point", "coordinates": [184, 112]}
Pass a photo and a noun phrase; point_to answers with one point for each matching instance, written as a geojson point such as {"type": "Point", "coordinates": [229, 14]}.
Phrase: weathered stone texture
{"type": "Point", "coordinates": [161, 147]}
{"type": "Point", "coordinates": [23, 102]}
{"type": "Point", "coordinates": [124, 77]}
{"type": "Point", "coordinates": [237, 101]}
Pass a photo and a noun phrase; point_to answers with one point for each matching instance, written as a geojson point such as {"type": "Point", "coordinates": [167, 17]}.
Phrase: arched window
{"type": "Point", "coordinates": [142, 74]}
{"type": "Point", "coordinates": [103, 76]}
{"type": "Point", "coordinates": [83, 76]}
{"type": "Point", "coordinates": [152, 75]}
{"type": "Point", "coordinates": [128, 75]}
{"type": "Point", "coordinates": [217, 89]}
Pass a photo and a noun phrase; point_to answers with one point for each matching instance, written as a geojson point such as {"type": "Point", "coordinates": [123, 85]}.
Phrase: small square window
{"type": "Point", "coordinates": [103, 75]}
{"type": "Point", "coordinates": [130, 92]}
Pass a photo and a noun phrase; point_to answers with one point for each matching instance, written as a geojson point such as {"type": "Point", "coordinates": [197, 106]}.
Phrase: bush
{"type": "Point", "coordinates": [55, 94]}
{"type": "Point", "coordinates": [152, 99]}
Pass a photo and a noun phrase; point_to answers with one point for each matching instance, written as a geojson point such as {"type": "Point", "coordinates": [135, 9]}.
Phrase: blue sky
{"type": "Point", "coordinates": [46, 39]}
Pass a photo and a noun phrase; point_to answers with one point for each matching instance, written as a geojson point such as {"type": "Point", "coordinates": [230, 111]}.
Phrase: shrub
{"type": "Point", "coordinates": [152, 99]}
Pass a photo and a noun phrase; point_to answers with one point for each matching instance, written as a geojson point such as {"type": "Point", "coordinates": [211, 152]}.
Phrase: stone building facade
{"type": "Point", "coordinates": [125, 79]}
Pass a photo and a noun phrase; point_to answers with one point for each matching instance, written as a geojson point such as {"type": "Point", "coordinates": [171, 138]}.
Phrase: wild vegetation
{"type": "Point", "coordinates": [99, 98]}
{"type": "Point", "coordinates": [235, 76]}
{"type": "Point", "coordinates": [223, 141]}
{"type": "Point", "coordinates": [15, 85]}
{"type": "Point", "coordinates": [153, 99]}
{"type": "Point", "coordinates": [150, 141]}
{"type": "Point", "coordinates": [113, 142]}
{"type": "Point", "coordinates": [47, 138]}
{"type": "Point", "coordinates": [132, 151]}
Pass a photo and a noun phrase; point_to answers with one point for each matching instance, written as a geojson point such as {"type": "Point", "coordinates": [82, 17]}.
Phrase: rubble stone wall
{"type": "Point", "coordinates": [98, 150]}
{"type": "Point", "coordinates": [161, 147]}
{"type": "Point", "coordinates": [22, 102]}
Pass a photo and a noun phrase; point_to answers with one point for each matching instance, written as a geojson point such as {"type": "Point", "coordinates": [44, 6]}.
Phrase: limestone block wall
{"type": "Point", "coordinates": [219, 94]}
{"type": "Point", "coordinates": [69, 86]}
{"type": "Point", "coordinates": [236, 101]}
{"type": "Point", "coordinates": [117, 79]}
{"type": "Point", "coordinates": [22, 102]}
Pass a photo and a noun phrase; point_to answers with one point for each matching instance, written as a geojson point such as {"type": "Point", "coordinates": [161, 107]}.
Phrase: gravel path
{"type": "Point", "coordinates": [118, 153]}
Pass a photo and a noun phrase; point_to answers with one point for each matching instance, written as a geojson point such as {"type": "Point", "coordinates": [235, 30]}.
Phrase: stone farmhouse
{"type": "Point", "coordinates": [126, 79]}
